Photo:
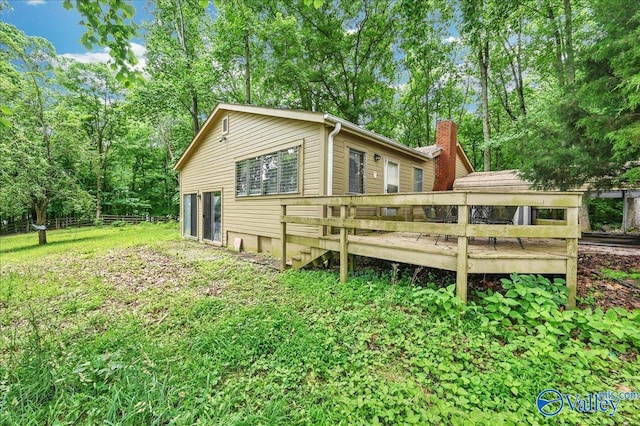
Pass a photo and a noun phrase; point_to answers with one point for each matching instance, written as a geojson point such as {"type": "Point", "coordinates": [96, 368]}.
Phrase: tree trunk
{"type": "Point", "coordinates": [585, 222]}
{"type": "Point", "coordinates": [247, 70]}
{"type": "Point", "coordinates": [634, 213]}
{"type": "Point", "coordinates": [41, 219]}
{"type": "Point", "coordinates": [99, 192]}
{"type": "Point", "coordinates": [568, 31]}
{"type": "Point", "coordinates": [427, 119]}
{"type": "Point", "coordinates": [194, 112]}
{"type": "Point", "coordinates": [558, 45]}
{"type": "Point", "coordinates": [483, 60]}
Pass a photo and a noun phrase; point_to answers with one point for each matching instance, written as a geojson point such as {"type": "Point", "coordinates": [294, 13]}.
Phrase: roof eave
{"type": "Point", "coordinates": [332, 119]}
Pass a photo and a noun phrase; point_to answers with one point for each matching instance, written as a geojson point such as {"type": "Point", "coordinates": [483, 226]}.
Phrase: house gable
{"type": "Point", "coordinates": [222, 110]}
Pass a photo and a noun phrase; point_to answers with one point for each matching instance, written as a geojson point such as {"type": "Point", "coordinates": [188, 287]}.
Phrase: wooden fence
{"type": "Point", "coordinates": [23, 226]}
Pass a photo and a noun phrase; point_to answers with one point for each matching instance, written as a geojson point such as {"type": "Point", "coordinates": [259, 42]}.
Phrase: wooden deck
{"type": "Point", "coordinates": [464, 245]}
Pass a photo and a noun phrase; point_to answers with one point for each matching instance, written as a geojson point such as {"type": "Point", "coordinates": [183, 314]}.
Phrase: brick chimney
{"type": "Point", "coordinates": [447, 138]}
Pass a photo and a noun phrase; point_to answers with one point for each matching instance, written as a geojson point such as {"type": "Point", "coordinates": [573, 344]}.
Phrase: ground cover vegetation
{"type": "Point", "coordinates": [132, 325]}
{"type": "Point", "coordinates": [546, 86]}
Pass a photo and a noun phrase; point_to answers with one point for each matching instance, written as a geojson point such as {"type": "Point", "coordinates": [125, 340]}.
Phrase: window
{"type": "Point", "coordinates": [241, 177]}
{"type": "Point", "coordinates": [270, 173]}
{"type": "Point", "coordinates": [225, 126]}
{"type": "Point", "coordinates": [273, 173]}
{"type": "Point", "coordinates": [356, 171]}
{"type": "Point", "coordinates": [255, 176]}
{"type": "Point", "coordinates": [417, 180]}
{"type": "Point", "coordinates": [211, 216]}
{"type": "Point", "coordinates": [190, 215]}
{"type": "Point", "coordinates": [392, 177]}
{"type": "Point", "coordinates": [289, 170]}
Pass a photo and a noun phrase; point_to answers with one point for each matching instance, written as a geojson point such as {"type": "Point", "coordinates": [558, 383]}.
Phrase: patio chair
{"type": "Point", "coordinates": [440, 214]}
{"type": "Point", "coordinates": [492, 215]}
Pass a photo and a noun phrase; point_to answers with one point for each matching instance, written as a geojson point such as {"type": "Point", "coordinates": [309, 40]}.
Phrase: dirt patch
{"type": "Point", "coordinates": [139, 269]}
{"type": "Point", "coordinates": [598, 289]}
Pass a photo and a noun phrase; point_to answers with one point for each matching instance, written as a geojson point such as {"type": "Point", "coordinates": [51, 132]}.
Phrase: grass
{"type": "Point", "coordinates": [134, 326]}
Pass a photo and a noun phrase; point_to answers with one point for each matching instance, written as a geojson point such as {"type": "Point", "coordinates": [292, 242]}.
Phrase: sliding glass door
{"type": "Point", "coordinates": [190, 214]}
{"type": "Point", "coordinates": [212, 216]}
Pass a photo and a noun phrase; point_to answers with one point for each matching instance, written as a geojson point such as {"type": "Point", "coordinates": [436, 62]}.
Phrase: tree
{"type": "Point", "coordinates": [109, 24]}
{"type": "Point", "coordinates": [430, 59]}
{"type": "Point", "coordinates": [349, 51]}
{"type": "Point", "coordinates": [97, 96]}
{"type": "Point", "coordinates": [179, 60]}
{"type": "Point", "coordinates": [39, 153]}
{"type": "Point", "coordinates": [588, 132]}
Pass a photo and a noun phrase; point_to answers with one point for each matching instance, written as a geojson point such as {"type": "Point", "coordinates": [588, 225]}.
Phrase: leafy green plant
{"type": "Point", "coordinates": [633, 274]}
{"type": "Point", "coordinates": [533, 304]}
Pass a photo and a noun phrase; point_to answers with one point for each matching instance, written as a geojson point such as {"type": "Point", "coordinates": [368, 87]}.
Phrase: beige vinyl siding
{"type": "Point", "coordinates": [429, 176]}
{"type": "Point", "coordinates": [374, 170]}
{"type": "Point", "coordinates": [212, 167]}
{"type": "Point", "coordinates": [461, 168]}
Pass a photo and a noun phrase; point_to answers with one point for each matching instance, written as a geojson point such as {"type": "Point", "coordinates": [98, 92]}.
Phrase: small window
{"type": "Point", "coordinates": [356, 171]}
{"type": "Point", "coordinates": [417, 180]}
{"type": "Point", "coordinates": [225, 125]}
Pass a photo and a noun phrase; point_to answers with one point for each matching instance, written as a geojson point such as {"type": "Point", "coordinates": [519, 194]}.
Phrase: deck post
{"type": "Point", "coordinates": [352, 215]}
{"type": "Point", "coordinates": [283, 238]}
{"type": "Point", "coordinates": [462, 267]}
{"type": "Point", "coordinates": [322, 230]}
{"type": "Point", "coordinates": [572, 257]}
{"type": "Point", "coordinates": [344, 253]}
{"type": "Point", "coordinates": [329, 229]}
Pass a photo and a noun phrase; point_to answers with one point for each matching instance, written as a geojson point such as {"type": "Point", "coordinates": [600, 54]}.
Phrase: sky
{"type": "Point", "coordinates": [48, 19]}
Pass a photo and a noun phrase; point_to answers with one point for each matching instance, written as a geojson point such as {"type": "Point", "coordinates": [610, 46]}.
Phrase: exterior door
{"type": "Point", "coordinates": [391, 183]}
{"type": "Point", "coordinates": [212, 216]}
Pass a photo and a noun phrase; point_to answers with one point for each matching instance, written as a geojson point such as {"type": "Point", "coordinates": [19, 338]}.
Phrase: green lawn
{"type": "Point", "coordinates": [134, 326]}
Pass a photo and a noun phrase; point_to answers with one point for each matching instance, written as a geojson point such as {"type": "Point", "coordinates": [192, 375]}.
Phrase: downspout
{"type": "Point", "coordinates": [333, 133]}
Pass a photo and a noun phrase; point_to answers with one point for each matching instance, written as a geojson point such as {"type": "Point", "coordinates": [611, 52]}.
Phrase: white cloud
{"type": "Point", "coordinates": [451, 39]}
{"type": "Point", "coordinates": [104, 57]}
{"type": "Point", "coordinates": [89, 57]}
{"type": "Point", "coordinates": [35, 2]}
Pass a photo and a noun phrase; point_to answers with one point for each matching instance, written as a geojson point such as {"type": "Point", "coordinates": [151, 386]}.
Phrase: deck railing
{"type": "Point", "coordinates": [326, 222]}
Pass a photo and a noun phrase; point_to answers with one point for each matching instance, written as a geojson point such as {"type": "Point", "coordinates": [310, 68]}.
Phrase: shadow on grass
{"type": "Point", "coordinates": [54, 244]}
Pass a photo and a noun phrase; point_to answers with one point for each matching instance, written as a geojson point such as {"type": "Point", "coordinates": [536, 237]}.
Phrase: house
{"type": "Point", "coordinates": [246, 159]}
